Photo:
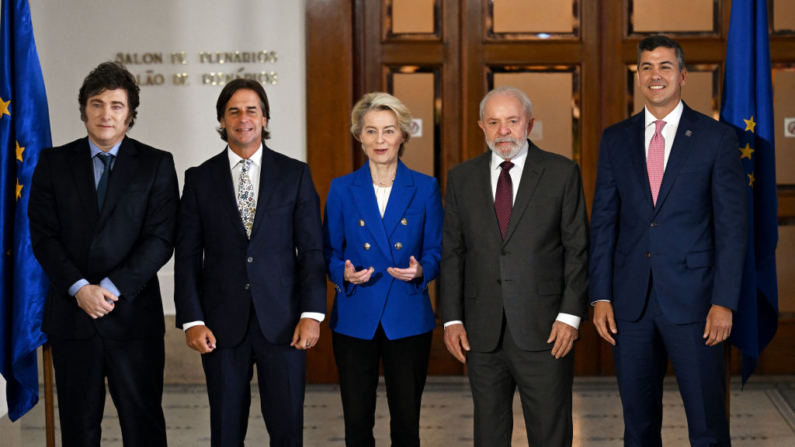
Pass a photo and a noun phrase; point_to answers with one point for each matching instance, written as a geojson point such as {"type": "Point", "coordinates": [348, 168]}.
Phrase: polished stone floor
{"type": "Point", "coordinates": [762, 415]}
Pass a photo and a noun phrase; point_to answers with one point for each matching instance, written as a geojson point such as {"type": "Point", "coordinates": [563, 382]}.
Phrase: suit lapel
{"type": "Point", "coordinates": [679, 152]}
{"type": "Point", "coordinates": [123, 170]}
{"type": "Point", "coordinates": [403, 191]}
{"type": "Point", "coordinates": [268, 179]}
{"type": "Point", "coordinates": [82, 171]}
{"type": "Point", "coordinates": [222, 176]}
{"type": "Point", "coordinates": [531, 174]}
{"type": "Point", "coordinates": [364, 198]}
{"type": "Point", "coordinates": [637, 153]}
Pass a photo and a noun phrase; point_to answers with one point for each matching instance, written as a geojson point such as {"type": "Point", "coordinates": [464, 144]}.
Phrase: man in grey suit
{"type": "Point", "coordinates": [514, 284]}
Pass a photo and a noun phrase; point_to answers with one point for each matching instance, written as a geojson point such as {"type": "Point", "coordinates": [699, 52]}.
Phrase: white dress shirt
{"type": "Point", "coordinates": [254, 170]}
{"type": "Point", "coordinates": [516, 176]}
{"type": "Point", "coordinates": [668, 132]}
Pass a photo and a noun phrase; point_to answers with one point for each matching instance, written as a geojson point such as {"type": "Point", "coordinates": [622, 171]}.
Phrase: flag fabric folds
{"type": "Point", "coordinates": [24, 132]}
{"type": "Point", "coordinates": [748, 108]}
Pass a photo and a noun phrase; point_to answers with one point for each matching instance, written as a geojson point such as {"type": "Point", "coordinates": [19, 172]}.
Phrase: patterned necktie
{"type": "Point", "coordinates": [102, 186]}
{"type": "Point", "coordinates": [245, 198]}
{"type": "Point", "coordinates": [655, 162]}
{"type": "Point", "coordinates": [503, 199]}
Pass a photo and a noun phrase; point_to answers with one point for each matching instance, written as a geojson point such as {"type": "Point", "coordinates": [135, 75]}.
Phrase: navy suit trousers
{"type": "Point", "coordinates": [641, 358]}
{"type": "Point", "coordinates": [281, 372]}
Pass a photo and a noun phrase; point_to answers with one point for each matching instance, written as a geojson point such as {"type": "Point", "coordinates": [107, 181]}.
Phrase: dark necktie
{"type": "Point", "coordinates": [102, 187]}
{"type": "Point", "coordinates": [503, 199]}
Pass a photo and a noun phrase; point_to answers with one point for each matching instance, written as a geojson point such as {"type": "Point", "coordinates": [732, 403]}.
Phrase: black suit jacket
{"type": "Point", "coordinates": [537, 271]}
{"type": "Point", "coordinates": [128, 242]}
{"type": "Point", "coordinates": [220, 273]}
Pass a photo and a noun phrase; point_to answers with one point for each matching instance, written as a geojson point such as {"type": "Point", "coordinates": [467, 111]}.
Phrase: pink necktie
{"type": "Point", "coordinates": [503, 198]}
{"type": "Point", "coordinates": [655, 162]}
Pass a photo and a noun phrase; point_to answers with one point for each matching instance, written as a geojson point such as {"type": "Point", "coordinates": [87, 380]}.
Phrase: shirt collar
{"type": "Point", "coordinates": [672, 119]}
{"type": "Point", "coordinates": [234, 159]}
{"type": "Point", "coordinates": [96, 150]}
{"type": "Point", "coordinates": [518, 160]}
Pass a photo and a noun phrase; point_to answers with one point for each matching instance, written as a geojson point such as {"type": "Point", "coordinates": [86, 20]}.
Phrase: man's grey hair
{"type": "Point", "coordinates": [507, 90]}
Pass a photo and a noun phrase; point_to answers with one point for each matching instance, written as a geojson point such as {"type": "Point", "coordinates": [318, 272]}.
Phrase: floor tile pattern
{"type": "Point", "coordinates": [763, 415]}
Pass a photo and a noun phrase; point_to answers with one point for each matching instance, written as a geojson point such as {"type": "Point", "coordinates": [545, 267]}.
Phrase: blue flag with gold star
{"type": "Point", "coordinates": [748, 107]}
{"type": "Point", "coordinates": [24, 132]}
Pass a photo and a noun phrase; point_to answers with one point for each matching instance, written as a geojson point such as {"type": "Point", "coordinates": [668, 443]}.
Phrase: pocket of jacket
{"type": "Point", "coordinates": [700, 259]}
{"type": "Point", "coordinates": [550, 288]}
{"type": "Point", "coordinates": [287, 281]}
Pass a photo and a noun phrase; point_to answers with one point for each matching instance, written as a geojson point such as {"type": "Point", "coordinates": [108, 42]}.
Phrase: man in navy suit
{"type": "Point", "coordinates": [668, 240]}
{"type": "Point", "coordinates": [250, 273]}
{"type": "Point", "coordinates": [102, 215]}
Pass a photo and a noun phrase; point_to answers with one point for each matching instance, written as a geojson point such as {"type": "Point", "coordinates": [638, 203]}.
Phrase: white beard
{"type": "Point", "coordinates": [517, 146]}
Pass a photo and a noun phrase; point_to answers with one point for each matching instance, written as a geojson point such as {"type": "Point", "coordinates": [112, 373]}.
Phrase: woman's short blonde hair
{"type": "Point", "coordinates": [377, 101]}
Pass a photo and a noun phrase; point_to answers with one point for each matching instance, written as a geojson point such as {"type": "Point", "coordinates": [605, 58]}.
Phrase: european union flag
{"type": "Point", "coordinates": [748, 107]}
{"type": "Point", "coordinates": [24, 132]}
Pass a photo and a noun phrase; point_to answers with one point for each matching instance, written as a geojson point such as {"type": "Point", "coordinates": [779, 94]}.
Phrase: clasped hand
{"type": "Point", "coordinates": [96, 301]}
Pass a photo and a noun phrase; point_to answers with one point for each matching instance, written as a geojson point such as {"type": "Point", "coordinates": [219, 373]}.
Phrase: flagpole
{"type": "Point", "coordinates": [49, 413]}
{"type": "Point", "coordinates": [727, 363]}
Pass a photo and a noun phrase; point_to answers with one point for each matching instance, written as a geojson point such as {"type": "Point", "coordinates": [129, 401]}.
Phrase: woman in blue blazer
{"type": "Point", "coordinates": [383, 242]}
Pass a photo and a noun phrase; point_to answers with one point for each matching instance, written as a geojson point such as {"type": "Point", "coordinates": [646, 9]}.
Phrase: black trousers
{"type": "Point", "coordinates": [134, 369]}
{"type": "Point", "coordinates": [405, 370]}
{"type": "Point", "coordinates": [545, 388]}
{"type": "Point", "coordinates": [281, 371]}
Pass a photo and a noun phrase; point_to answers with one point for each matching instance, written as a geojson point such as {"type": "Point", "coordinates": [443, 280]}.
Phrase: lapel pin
{"type": "Point", "coordinates": [688, 133]}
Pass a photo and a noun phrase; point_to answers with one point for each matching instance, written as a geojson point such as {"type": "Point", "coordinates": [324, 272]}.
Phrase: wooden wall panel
{"type": "Point", "coordinates": [329, 93]}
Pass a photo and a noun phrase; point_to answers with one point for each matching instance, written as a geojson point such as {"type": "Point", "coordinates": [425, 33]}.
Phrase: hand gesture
{"type": "Point", "coordinates": [414, 271]}
{"type": "Point", "coordinates": [354, 277]}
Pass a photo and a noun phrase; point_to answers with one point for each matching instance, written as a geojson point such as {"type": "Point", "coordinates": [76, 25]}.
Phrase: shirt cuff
{"type": "Point", "coordinates": [314, 315]}
{"type": "Point", "coordinates": [571, 320]}
{"type": "Point", "coordinates": [599, 301]}
{"type": "Point", "coordinates": [77, 286]}
{"type": "Point", "coordinates": [108, 285]}
{"type": "Point", "coordinates": [187, 326]}
{"type": "Point", "coordinates": [450, 323]}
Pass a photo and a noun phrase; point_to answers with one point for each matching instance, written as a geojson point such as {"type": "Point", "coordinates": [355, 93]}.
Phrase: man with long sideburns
{"type": "Point", "coordinates": [669, 239]}
{"type": "Point", "coordinates": [250, 273]}
{"type": "Point", "coordinates": [102, 215]}
{"type": "Point", "coordinates": [514, 264]}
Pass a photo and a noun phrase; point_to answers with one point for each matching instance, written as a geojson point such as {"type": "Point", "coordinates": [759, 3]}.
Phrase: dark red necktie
{"type": "Point", "coordinates": [503, 199]}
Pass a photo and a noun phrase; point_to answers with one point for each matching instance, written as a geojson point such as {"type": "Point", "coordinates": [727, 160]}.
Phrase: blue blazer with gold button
{"type": "Point", "coordinates": [354, 230]}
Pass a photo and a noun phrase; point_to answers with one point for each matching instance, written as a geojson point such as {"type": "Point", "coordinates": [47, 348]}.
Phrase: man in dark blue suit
{"type": "Point", "coordinates": [250, 273]}
{"type": "Point", "coordinates": [668, 239]}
